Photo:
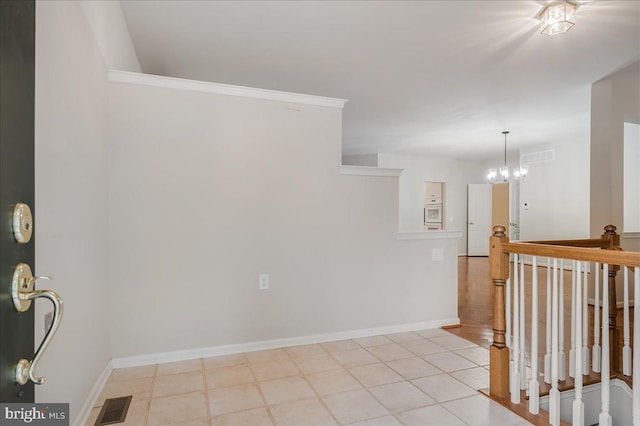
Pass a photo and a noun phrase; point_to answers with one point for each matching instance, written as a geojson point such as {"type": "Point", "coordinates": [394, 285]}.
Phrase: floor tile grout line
{"type": "Point", "coordinates": [206, 391]}
{"type": "Point", "coordinates": [338, 361]}
{"type": "Point", "coordinates": [405, 340]}
{"type": "Point", "coordinates": [454, 414]}
{"type": "Point", "coordinates": [433, 343]}
{"type": "Point", "coordinates": [368, 365]}
{"type": "Point", "coordinates": [310, 356]}
{"type": "Point", "coordinates": [153, 382]}
{"type": "Point", "coordinates": [268, 408]}
{"type": "Point", "coordinates": [417, 408]}
{"type": "Point", "coordinates": [415, 378]}
{"type": "Point", "coordinates": [264, 400]}
{"type": "Point", "coordinates": [319, 397]}
{"type": "Point", "coordinates": [354, 390]}
{"type": "Point", "coordinates": [466, 397]}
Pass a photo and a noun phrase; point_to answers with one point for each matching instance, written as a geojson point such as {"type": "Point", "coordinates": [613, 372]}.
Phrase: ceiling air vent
{"type": "Point", "coordinates": [538, 157]}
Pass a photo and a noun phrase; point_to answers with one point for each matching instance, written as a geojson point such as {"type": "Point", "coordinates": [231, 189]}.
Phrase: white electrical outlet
{"type": "Point", "coordinates": [263, 282]}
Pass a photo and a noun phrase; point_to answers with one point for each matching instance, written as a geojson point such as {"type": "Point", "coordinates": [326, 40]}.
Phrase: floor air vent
{"type": "Point", "coordinates": [113, 411]}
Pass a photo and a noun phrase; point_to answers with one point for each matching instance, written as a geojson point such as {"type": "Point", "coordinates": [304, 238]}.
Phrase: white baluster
{"type": "Point", "coordinates": [561, 354]}
{"type": "Point", "coordinates": [596, 321]}
{"type": "Point", "coordinates": [534, 386]}
{"type": "Point", "coordinates": [509, 337]}
{"type": "Point", "coordinates": [547, 354]}
{"type": "Point", "coordinates": [554, 393]}
{"type": "Point", "coordinates": [636, 342]}
{"type": "Point", "coordinates": [626, 349]}
{"type": "Point", "coordinates": [507, 313]}
{"type": "Point", "coordinates": [585, 320]}
{"type": "Point", "coordinates": [514, 375]}
{"type": "Point", "coordinates": [523, 361]}
{"type": "Point", "coordinates": [605, 417]}
{"type": "Point", "coordinates": [572, 351]}
{"type": "Point", "coordinates": [578, 404]}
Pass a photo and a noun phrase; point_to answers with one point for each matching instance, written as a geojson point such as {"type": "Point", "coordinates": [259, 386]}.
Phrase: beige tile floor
{"type": "Point", "coordinates": [428, 377]}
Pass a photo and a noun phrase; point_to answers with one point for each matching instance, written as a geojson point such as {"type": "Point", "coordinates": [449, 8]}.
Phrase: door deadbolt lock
{"type": "Point", "coordinates": [23, 293]}
{"type": "Point", "coordinates": [22, 223]}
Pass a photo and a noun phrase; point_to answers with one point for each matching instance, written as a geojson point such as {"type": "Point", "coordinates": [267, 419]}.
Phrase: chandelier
{"type": "Point", "coordinates": [558, 17]}
{"type": "Point", "coordinates": [503, 174]}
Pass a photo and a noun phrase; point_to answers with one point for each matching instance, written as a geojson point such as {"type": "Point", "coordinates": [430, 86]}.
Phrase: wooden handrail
{"type": "Point", "coordinates": [612, 257]}
{"type": "Point", "coordinates": [593, 242]}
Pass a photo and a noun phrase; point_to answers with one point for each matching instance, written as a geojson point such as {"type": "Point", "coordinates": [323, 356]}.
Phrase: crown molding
{"type": "Point", "coordinates": [222, 89]}
{"type": "Point", "coordinates": [369, 171]}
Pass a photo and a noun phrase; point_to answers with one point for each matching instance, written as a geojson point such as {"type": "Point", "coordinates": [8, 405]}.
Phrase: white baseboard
{"type": "Point", "coordinates": [92, 398]}
{"type": "Point", "coordinates": [184, 355]}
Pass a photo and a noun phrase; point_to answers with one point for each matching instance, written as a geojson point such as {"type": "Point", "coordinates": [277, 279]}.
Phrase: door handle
{"type": "Point", "coordinates": [23, 293]}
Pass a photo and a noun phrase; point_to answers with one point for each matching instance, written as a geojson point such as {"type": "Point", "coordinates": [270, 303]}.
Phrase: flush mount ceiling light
{"type": "Point", "coordinates": [558, 17]}
{"type": "Point", "coordinates": [503, 174]}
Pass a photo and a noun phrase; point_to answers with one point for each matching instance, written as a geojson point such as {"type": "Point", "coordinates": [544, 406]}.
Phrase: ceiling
{"type": "Point", "coordinates": [442, 78]}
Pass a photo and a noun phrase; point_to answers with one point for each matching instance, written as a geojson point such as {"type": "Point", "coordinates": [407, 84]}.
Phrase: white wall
{"type": "Point", "coordinates": [614, 100]}
{"type": "Point", "coordinates": [71, 200]}
{"type": "Point", "coordinates": [557, 192]}
{"type": "Point", "coordinates": [111, 33]}
{"type": "Point", "coordinates": [456, 174]}
{"type": "Point", "coordinates": [631, 164]}
{"type": "Point", "coordinates": [370, 160]}
{"type": "Point", "coordinates": [208, 191]}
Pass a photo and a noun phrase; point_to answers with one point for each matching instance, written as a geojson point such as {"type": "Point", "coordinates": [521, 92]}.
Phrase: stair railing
{"type": "Point", "coordinates": [600, 257]}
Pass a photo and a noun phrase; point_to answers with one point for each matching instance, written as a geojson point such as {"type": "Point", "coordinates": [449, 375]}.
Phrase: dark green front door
{"type": "Point", "coordinates": [17, 67]}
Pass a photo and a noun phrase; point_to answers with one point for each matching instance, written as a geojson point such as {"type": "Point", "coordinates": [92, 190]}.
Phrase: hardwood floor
{"type": "Point", "coordinates": [475, 301]}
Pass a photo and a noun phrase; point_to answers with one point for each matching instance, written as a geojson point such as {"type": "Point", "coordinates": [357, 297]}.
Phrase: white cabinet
{"type": "Point", "coordinates": [433, 192]}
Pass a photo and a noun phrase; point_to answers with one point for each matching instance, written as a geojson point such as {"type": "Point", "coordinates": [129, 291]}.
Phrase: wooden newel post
{"type": "Point", "coordinates": [614, 334]}
{"type": "Point", "coordinates": [499, 352]}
